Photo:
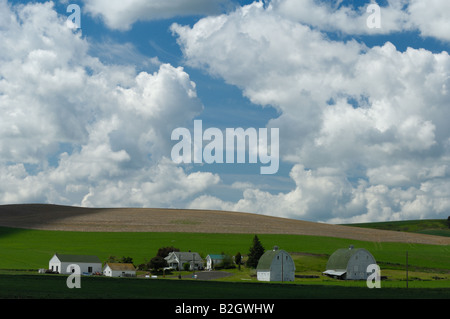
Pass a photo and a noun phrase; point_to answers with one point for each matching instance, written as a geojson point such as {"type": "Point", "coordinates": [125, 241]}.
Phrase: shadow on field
{"type": "Point", "coordinates": [35, 216]}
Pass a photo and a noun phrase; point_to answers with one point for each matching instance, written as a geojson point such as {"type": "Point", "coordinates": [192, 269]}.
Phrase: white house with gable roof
{"type": "Point", "coordinates": [88, 264]}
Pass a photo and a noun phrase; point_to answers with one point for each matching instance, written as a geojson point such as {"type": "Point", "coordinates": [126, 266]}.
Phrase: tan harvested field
{"type": "Point", "coordinates": [67, 218]}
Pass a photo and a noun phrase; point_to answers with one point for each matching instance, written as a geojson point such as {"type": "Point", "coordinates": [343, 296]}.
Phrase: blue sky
{"type": "Point", "coordinates": [88, 113]}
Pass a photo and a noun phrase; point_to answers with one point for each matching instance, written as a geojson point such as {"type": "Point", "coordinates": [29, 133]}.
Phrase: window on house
{"type": "Point", "coordinates": [89, 269]}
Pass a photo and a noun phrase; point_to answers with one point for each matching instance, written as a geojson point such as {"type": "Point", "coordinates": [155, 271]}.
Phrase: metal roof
{"type": "Point", "coordinates": [121, 266]}
{"type": "Point", "coordinates": [184, 256]}
{"type": "Point", "coordinates": [339, 259]}
{"type": "Point", "coordinates": [213, 256]}
{"type": "Point", "coordinates": [265, 261]}
{"type": "Point", "coordinates": [78, 258]}
{"type": "Point", "coordinates": [334, 273]}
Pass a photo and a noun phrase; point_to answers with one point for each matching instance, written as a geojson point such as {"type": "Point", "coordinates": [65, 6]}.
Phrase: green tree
{"type": "Point", "coordinates": [112, 259]}
{"type": "Point", "coordinates": [238, 260]}
{"type": "Point", "coordinates": [164, 251]}
{"type": "Point", "coordinates": [126, 260]}
{"type": "Point", "coordinates": [448, 221]}
{"type": "Point", "coordinates": [256, 251]}
{"type": "Point", "coordinates": [157, 263]}
{"type": "Point", "coordinates": [227, 262]}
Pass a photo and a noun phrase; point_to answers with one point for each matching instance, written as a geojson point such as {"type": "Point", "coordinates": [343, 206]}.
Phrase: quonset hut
{"type": "Point", "coordinates": [349, 263]}
{"type": "Point", "coordinates": [275, 265]}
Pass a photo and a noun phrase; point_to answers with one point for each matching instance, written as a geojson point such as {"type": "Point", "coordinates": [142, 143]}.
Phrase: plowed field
{"type": "Point", "coordinates": [68, 218]}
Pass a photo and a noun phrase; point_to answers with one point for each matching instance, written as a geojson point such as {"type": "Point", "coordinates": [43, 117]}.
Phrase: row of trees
{"type": "Point", "coordinates": [114, 259]}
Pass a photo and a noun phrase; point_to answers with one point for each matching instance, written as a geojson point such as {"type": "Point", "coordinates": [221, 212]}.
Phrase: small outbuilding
{"type": "Point", "coordinates": [63, 264]}
{"type": "Point", "coordinates": [119, 270]}
{"type": "Point", "coordinates": [349, 264]}
{"type": "Point", "coordinates": [213, 261]}
{"type": "Point", "coordinates": [275, 265]}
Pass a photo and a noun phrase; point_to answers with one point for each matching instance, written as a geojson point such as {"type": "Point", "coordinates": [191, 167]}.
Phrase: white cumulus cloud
{"type": "Point", "coordinates": [77, 131]}
{"type": "Point", "coordinates": [347, 114]}
{"type": "Point", "coordinates": [121, 15]}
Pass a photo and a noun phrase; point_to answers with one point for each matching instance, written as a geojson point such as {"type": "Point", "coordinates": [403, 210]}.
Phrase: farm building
{"type": "Point", "coordinates": [88, 264]}
{"type": "Point", "coordinates": [213, 261]}
{"type": "Point", "coordinates": [275, 265]}
{"type": "Point", "coordinates": [119, 270]}
{"type": "Point", "coordinates": [349, 263]}
{"type": "Point", "coordinates": [176, 259]}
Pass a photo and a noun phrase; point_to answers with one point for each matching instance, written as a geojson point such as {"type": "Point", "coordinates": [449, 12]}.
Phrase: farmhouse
{"type": "Point", "coordinates": [119, 270]}
{"type": "Point", "coordinates": [177, 259]}
{"type": "Point", "coordinates": [275, 265]}
{"type": "Point", "coordinates": [213, 261]}
{"type": "Point", "coordinates": [63, 264]}
{"type": "Point", "coordinates": [349, 263]}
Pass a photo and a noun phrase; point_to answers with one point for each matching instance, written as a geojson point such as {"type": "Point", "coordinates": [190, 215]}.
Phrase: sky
{"type": "Point", "coordinates": [89, 100]}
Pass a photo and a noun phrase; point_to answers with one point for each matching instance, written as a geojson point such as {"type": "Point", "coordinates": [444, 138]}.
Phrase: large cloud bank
{"type": "Point", "coordinates": [76, 131]}
{"type": "Point", "coordinates": [365, 129]}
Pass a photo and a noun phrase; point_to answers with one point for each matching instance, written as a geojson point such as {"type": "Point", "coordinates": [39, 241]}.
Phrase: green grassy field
{"type": "Point", "coordinates": [32, 249]}
{"type": "Point", "coordinates": [22, 250]}
{"type": "Point", "coordinates": [54, 287]}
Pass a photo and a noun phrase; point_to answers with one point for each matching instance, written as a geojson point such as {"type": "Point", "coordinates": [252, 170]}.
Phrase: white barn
{"type": "Point", "coordinates": [275, 265]}
{"type": "Point", "coordinates": [349, 263]}
{"type": "Point", "coordinates": [119, 270]}
{"type": "Point", "coordinates": [88, 264]}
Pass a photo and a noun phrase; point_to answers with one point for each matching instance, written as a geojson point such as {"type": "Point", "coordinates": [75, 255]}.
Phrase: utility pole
{"type": "Point", "coordinates": [179, 268]}
{"type": "Point", "coordinates": [406, 269]}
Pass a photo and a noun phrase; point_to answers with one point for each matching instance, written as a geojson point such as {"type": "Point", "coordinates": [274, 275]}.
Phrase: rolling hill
{"type": "Point", "coordinates": [70, 218]}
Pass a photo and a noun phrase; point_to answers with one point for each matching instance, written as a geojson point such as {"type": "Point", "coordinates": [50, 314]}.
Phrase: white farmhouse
{"type": "Point", "coordinates": [119, 270]}
{"type": "Point", "coordinates": [349, 263]}
{"type": "Point", "coordinates": [177, 259]}
{"type": "Point", "coordinates": [275, 265]}
{"type": "Point", "coordinates": [64, 264]}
